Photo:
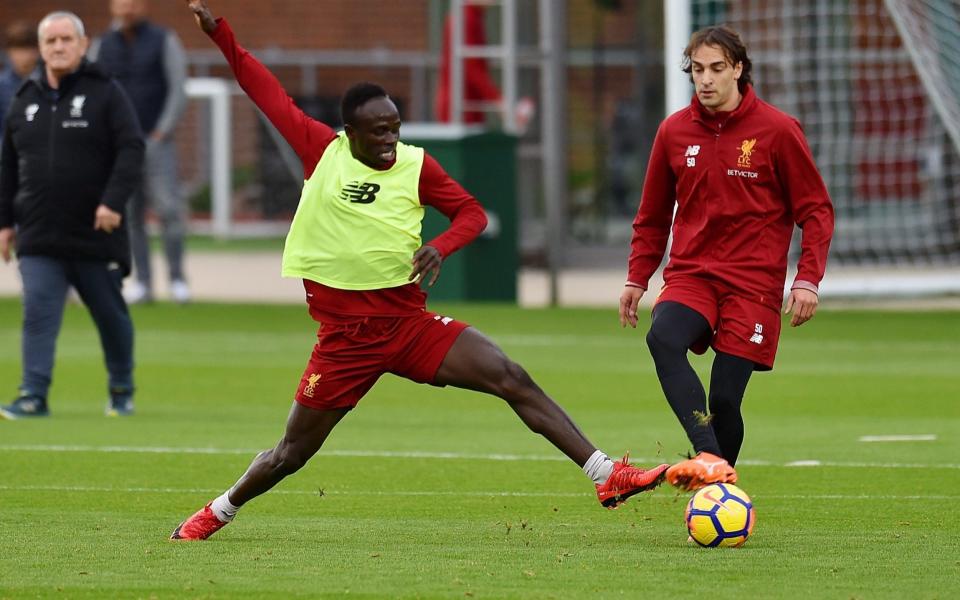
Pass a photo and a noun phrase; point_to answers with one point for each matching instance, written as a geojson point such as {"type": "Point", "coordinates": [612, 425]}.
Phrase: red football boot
{"type": "Point", "coordinates": [201, 525]}
{"type": "Point", "coordinates": [700, 471]}
{"type": "Point", "coordinates": [627, 480]}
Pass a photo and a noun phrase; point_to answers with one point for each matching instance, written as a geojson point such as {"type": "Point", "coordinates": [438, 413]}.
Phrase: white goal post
{"type": "Point", "coordinates": [217, 93]}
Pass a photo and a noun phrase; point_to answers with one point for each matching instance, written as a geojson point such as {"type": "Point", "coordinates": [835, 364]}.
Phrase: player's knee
{"type": "Point", "coordinates": [660, 344]}
{"type": "Point", "coordinates": [724, 404]}
{"type": "Point", "coordinates": [514, 381]}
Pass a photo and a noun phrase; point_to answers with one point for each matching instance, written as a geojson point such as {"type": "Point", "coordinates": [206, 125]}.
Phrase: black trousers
{"type": "Point", "coordinates": [674, 330]}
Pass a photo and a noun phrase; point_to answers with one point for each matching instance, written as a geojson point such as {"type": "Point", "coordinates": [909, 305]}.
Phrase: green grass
{"type": "Point", "coordinates": [86, 503]}
{"type": "Point", "coordinates": [206, 243]}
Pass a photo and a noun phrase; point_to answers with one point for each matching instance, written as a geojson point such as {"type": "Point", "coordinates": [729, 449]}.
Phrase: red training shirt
{"type": "Point", "coordinates": [309, 138]}
{"type": "Point", "coordinates": [739, 180]}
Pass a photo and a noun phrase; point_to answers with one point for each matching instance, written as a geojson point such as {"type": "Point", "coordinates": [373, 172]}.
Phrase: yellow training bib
{"type": "Point", "coordinates": [356, 228]}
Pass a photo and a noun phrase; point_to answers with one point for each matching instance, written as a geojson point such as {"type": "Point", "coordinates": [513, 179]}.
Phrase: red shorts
{"type": "Point", "coordinates": [740, 327]}
{"type": "Point", "coordinates": [350, 357]}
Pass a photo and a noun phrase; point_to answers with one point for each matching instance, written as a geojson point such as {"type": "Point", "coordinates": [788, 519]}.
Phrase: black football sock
{"type": "Point", "coordinates": [728, 381]}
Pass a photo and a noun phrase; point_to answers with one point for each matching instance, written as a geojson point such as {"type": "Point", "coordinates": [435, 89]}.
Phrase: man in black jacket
{"type": "Point", "coordinates": [72, 155]}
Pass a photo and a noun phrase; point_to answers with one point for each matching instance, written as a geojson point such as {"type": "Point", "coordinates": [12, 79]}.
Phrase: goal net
{"type": "Point", "coordinates": [876, 85]}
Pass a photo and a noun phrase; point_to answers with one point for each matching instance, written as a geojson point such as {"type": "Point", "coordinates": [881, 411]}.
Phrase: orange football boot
{"type": "Point", "coordinates": [699, 471]}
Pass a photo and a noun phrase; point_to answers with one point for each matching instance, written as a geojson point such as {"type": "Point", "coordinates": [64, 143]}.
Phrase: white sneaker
{"type": "Point", "coordinates": [179, 291]}
{"type": "Point", "coordinates": [137, 293]}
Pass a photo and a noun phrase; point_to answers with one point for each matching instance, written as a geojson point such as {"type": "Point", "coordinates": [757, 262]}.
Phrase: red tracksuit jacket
{"type": "Point", "coordinates": [739, 180]}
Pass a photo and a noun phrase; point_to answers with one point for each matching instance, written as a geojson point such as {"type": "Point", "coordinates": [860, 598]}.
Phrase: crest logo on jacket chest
{"type": "Point", "coordinates": [31, 112]}
{"type": "Point", "coordinates": [76, 106]}
{"type": "Point", "coordinates": [360, 193]}
{"type": "Point", "coordinates": [746, 151]}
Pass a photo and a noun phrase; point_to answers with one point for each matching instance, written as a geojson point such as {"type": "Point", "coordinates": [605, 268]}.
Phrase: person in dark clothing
{"type": "Point", "coordinates": [72, 155]}
{"type": "Point", "coordinates": [151, 65]}
{"type": "Point", "coordinates": [20, 42]}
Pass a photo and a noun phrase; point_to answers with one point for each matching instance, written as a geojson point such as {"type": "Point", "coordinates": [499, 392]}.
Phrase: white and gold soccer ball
{"type": "Point", "coordinates": [720, 514]}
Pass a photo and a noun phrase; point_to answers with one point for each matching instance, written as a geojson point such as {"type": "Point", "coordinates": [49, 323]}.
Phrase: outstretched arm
{"type": "Point", "coordinates": [306, 136]}
{"type": "Point", "coordinates": [203, 15]}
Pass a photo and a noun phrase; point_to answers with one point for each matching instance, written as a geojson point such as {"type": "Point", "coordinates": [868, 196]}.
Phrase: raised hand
{"type": "Point", "coordinates": [202, 14]}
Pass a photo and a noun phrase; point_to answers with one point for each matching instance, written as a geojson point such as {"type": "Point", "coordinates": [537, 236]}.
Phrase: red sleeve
{"type": "Point", "coordinates": [307, 136]}
{"type": "Point", "coordinates": [442, 192]}
{"type": "Point", "coordinates": [651, 227]}
{"type": "Point", "coordinates": [807, 197]}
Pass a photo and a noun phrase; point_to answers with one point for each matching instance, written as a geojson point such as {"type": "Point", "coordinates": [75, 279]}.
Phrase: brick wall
{"type": "Point", "coordinates": [400, 25]}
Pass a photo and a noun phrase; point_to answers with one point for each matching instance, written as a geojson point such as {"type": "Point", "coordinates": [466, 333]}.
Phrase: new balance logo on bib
{"type": "Point", "coordinates": [361, 193]}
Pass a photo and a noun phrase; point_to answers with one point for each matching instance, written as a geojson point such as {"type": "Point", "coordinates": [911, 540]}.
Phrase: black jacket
{"type": "Point", "coordinates": [65, 152]}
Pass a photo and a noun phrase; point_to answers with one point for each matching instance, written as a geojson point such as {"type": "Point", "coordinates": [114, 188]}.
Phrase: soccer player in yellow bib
{"type": "Point", "coordinates": [355, 243]}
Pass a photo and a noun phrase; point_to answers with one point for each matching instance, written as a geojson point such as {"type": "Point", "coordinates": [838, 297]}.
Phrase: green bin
{"type": "Point", "coordinates": [484, 163]}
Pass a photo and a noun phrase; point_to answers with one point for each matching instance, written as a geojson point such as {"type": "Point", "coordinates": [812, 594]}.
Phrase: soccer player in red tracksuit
{"type": "Point", "coordinates": [740, 174]}
{"type": "Point", "coordinates": [364, 289]}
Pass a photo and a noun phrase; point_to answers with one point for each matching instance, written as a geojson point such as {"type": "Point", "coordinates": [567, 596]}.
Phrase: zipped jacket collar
{"type": "Point", "coordinates": [700, 114]}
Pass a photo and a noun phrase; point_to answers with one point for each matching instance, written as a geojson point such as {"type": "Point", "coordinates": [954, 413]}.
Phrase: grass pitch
{"type": "Point", "coordinates": [441, 493]}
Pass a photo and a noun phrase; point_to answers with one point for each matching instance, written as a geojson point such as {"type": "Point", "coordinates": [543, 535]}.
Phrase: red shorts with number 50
{"type": "Point", "coordinates": [739, 326]}
{"type": "Point", "coordinates": [350, 357]}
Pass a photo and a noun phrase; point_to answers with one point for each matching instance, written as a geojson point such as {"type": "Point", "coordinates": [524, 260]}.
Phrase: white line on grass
{"type": "Point", "coordinates": [477, 494]}
{"type": "Point", "coordinates": [251, 451]}
{"type": "Point", "coordinates": [147, 490]}
{"type": "Point", "coordinates": [922, 437]}
{"type": "Point", "coordinates": [856, 465]}
{"type": "Point", "coordinates": [438, 455]}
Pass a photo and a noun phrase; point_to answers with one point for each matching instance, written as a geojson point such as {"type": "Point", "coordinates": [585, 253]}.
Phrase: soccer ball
{"type": "Point", "coordinates": [720, 515]}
